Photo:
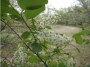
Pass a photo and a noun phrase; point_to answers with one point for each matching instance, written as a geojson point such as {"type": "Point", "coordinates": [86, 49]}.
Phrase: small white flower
{"type": "Point", "coordinates": [19, 45]}
{"type": "Point", "coordinates": [55, 39]}
{"type": "Point", "coordinates": [70, 62]}
{"type": "Point", "coordinates": [19, 55]}
{"type": "Point", "coordinates": [21, 48]}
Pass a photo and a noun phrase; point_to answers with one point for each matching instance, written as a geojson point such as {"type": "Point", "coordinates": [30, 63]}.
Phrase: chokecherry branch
{"type": "Point", "coordinates": [24, 43]}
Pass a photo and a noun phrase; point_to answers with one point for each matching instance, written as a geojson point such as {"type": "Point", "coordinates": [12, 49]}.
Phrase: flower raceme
{"type": "Point", "coordinates": [70, 62]}
{"type": "Point", "coordinates": [54, 38]}
{"type": "Point", "coordinates": [19, 55]}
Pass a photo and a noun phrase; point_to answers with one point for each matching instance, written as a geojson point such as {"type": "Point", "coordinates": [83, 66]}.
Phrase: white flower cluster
{"type": "Point", "coordinates": [19, 55]}
{"type": "Point", "coordinates": [70, 62]}
{"type": "Point", "coordinates": [54, 38]}
{"type": "Point", "coordinates": [49, 19]}
{"type": "Point", "coordinates": [40, 25]}
{"type": "Point", "coordinates": [45, 23]}
{"type": "Point", "coordinates": [15, 5]}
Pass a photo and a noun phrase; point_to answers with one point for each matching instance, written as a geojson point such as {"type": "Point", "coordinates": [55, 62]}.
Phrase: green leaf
{"type": "Point", "coordinates": [33, 27]}
{"type": "Point", "coordinates": [36, 47]}
{"type": "Point", "coordinates": [17, 18]}
{"type": "Point", "coordinates": [32, 13]}
{"type": "Point", "coordinates": [46, 42]}
{"type": "Point", "coordinates": [4, 64]}
{"type": "Point", "coordinates": [75, 35]}
{"type": "Point", "coordinates": [56, 50]}
{"type": "Point", "coordinates": [35, 32]}
{"type": "Point", "coordinates": [33, 20]}
{"type": "Point", "coordinates": [78, 39]}
{"type": "Point", "coordinates": [32, 59]}
{"type": "Point", "coordinates": [9, 10]}
{"type": "Point", "coordinates": [44, 57]}
{"type": "Point", "coordinates": [62, 64]}
{"type": "Point", "coordinates": [3, 15]}
{"type": "Point", "coordinates": [62, 60]}
{"type": "Point", "coordinates": [52, 64]}
{"type": "Point", "coordinates": [84, 32]}
{"type": "Point", "coordinates": [24, 41]}
{"type": "Point", "coordinates": [48, 27]}
{"type": "Point", "coordinates": [25, 35]}
{"type": "Point", "coordinates": [5, 2]}
{"type": "Point", "coordinates": [31, 4]}
{"type": "Point", "coordinates": [44, 46]}
{"type": "Point", "coordinates": [29, 53]}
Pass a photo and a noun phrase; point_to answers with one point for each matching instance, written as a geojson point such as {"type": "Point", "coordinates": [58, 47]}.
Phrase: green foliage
{"type": "Point", "coordinates": [83, 32]}
{"type": "Point", "coordinates": [4, 2]}
{"type": "Point", "coordinates": [36, 47]}
{"type": "Point", "coordinates": [24, 41]}
{"type": "Point", "coordinates": [86, 41]}
{"type": "Point", "coordinates": [8, 10]}
{"type": "Point", "coordinates": [32, 8]}
{"type": "Point", "coordinates": [32, 59]}
{"type": "Point", "coordinates": [44, 57]}
{"type": "Point", "coordinates": [56, 50]}
{"type": "Point", "coordinates": [4, 64]}
{"type": "Point", "coordinates": [52, 64]}
{"type": "Point", "coordinates": [62, 64]}
{"type": "Point", "coordinates": [48, 27]}
{"type": "Point", "coordinates": [25, 35]}
{"type": "Point", "coordinates": [32, 13]}
{"type": "Point", "coordinates": [17, 18]}
{"type": "Point", "coordinates": [29, 53]}
{"type": "Point", "coordinates": [78, 37]}
{"type": "Point", "coordinates": [31, 5]}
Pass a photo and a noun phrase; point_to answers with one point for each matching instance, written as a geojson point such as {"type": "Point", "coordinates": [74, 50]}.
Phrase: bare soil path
{"type": "Point", "coordinates": [69, 30]}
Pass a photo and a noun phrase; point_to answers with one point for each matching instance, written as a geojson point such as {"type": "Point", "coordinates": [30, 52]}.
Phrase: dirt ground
{"type": "Point", "coordinates": [69, 30]}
